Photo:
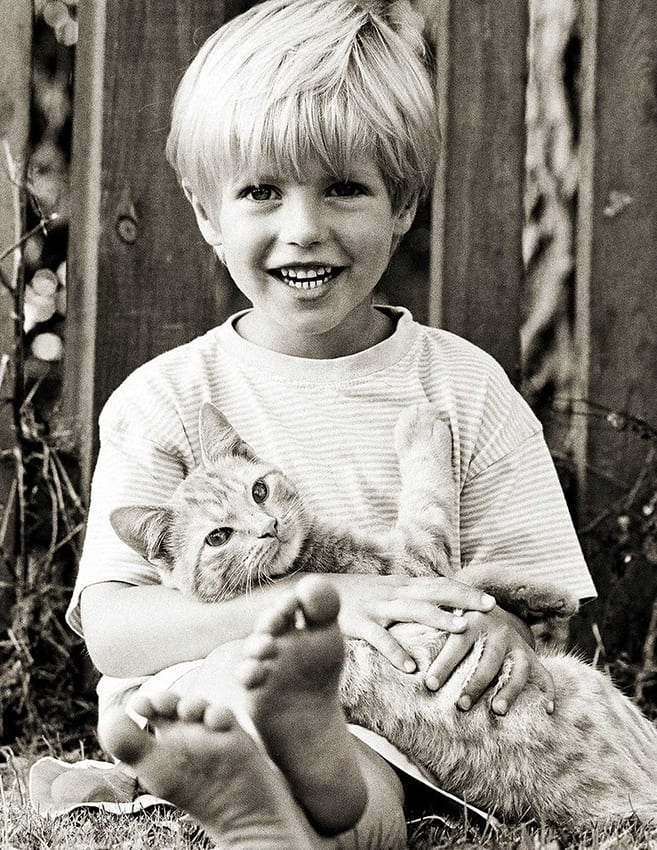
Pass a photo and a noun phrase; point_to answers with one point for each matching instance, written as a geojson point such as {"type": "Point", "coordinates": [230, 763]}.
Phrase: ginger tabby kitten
{"type": "Point", "coordinates": [236, 522]}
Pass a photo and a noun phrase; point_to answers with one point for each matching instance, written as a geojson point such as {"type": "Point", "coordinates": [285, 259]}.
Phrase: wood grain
{"type": "Point", "coordinates": [477, 268]}
{"type": "Point", "coordinates": [617, 257]}
{"type": "Point", "coordinates": [141, 278]}
{"type": "Point", "coordinates": [15, 50]}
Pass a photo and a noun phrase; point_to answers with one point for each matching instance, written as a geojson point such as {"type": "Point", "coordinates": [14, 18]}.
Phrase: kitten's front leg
{"type": "Point", "coordinates": [425, 526]}
{"type": "Point", "coordinates": [528, 598]}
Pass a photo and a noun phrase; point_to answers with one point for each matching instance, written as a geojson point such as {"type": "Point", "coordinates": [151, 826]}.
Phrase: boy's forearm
{"type": "Point", "coordinates": [138, 630]}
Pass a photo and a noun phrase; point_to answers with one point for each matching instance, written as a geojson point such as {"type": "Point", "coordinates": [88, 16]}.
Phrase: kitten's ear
{"type": "Point", "coordinates": [144, 529]}
{"type": "Point", "coordinates": [218, 437]}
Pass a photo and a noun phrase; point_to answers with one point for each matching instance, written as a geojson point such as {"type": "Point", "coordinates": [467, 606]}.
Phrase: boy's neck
{"type": "Point", "coordinates": [327, 346]}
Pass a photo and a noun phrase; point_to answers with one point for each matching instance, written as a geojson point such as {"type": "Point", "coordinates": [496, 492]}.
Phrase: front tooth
{"type": "Point", "coordinates": [301, 278]}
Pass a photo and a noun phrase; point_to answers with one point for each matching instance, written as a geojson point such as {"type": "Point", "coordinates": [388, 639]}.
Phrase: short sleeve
{"type": "Point", "coordinates": [513, 514]}
{"type": "Point", "coordinates": [133, 468]}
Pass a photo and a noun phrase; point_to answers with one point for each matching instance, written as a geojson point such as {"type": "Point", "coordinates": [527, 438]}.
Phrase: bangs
{"type": "Point", "coordinates": [296, 131]}
{"type": "Point", "coordinates": [293, 133]}
{"type": "Point", "coordinates": [331, 94]}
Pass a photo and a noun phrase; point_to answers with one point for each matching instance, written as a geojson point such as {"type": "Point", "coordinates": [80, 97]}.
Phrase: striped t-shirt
{"type": "Point", "coordinates": [328, 425]}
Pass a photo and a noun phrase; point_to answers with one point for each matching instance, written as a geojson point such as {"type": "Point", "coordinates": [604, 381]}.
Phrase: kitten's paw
{"type": "Point", "coordinates": [421, 436]}
{"type": "Point", "coordinates": [532, 602]}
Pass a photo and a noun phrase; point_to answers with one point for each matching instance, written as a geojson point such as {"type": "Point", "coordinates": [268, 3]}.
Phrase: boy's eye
{"type": "Point", "coordinates": [259, 491]}
{"type": "Point", "coordinates": [345, 189]}
{"type": "Point", "coordinates": [260, 193]}
{"type": "Point", "coordinates": [219, 536]}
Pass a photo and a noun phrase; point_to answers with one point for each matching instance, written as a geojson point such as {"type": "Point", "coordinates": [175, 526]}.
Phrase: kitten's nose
{"type": "Point", "coordinates": [270, 528]}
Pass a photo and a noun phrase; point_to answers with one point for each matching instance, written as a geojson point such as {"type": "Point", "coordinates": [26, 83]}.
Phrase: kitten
{"type": "Point", "coordinates": [237, 522]}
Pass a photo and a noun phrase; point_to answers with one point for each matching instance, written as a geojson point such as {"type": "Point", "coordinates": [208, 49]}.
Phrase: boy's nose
{"type": "Point", "coordinates": [304, 223]}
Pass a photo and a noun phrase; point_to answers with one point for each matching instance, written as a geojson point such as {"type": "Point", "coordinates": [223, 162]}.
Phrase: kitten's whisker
{"type": "Point", "coordinates": [236, 585]}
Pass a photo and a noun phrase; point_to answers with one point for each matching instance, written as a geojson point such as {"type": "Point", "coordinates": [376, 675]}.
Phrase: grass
{"type": "Point", "coordinates": [163, 828]}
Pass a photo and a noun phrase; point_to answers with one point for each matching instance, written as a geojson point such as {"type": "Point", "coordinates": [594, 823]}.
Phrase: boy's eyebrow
{"type": "Point", "coordinates": [268, 177]}
{"type": "Point", "coordinates": [256, 177]}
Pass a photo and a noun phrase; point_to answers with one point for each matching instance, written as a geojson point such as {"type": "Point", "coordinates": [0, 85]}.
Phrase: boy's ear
{"type": "Point", "coordinates": [405, 215]}
{"type": "Point", "coordinates": [208, 230]}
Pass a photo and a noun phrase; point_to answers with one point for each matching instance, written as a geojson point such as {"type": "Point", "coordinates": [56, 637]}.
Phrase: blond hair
{"type": "Point", "coordinates": [291, 80]}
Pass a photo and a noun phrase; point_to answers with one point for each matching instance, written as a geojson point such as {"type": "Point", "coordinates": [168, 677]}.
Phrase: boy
{"type": "Point", "coordinates": [304, 134]}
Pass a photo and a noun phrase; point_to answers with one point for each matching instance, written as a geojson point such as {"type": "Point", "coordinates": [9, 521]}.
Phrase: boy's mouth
{"type": "Point", "coordinates": [306, 277]}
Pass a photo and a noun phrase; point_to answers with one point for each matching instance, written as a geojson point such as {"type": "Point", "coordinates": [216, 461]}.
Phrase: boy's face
{"type": "Point", "coordinates": [307, 254]}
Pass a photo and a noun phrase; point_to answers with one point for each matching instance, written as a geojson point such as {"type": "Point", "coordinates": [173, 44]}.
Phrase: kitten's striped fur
{"type": "Point", "coordinates": [594, 758]}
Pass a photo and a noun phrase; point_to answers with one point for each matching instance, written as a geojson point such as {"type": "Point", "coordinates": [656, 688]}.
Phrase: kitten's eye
{"type": "Point", "coordinates": [219, 536]}
{"type": "Point", "coordinates": [259, 491]}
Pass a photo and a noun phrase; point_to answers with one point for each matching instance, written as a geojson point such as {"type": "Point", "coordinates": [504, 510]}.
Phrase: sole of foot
{"type": "Point", "coordinates": [291, 670]}
{"type": "Point", "coordinates": [201, 760]}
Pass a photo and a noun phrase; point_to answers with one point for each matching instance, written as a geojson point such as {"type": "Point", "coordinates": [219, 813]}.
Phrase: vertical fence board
{"type": "Point", "coordinates": [84, 232]}
{"type": "Point", "coordinates": [617, 296]}
{"type": "Point", "coordinates": [141, 278]}
{"type": "Point", "coordinates": [623, 284]}
{"type": "Point", "coordinates": [477, 270]}
{"type": "Point", "coordinates": [15, 71]}
{"type": "Point", "coordinates": [619, 271]}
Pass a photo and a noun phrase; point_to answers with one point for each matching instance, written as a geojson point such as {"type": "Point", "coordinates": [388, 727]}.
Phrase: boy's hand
{"type": "Point", "coordinates": [503, 638]}
{"type": "Point", "coordinates": [371, 603]}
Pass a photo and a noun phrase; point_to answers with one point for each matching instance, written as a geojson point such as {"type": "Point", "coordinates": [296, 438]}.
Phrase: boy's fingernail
{"type": "Point", "coordinates": [464, 702]}
{"type": "Point", "coordinates": [410, 666]}
{"type": "Point", "coordinates": [432, 683]}
{"type": "Point", "coordinates": [500, 706]}
{"type": "Point", "coordinates": [487, 599]}
{"type": "Point", "coordinates": [459, 622]}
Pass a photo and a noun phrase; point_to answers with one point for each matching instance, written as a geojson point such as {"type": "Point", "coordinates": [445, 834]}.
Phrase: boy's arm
{"type": "Point", "coordinates": [136, 630]}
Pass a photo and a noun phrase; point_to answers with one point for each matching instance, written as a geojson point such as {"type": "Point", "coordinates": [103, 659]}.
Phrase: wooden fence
{"type": "Point", "coordinates": [132, 297]}
{"type": "Point", "coordinates": [15, 45]}
{"type": "Point", "coordinates": [141, 279]}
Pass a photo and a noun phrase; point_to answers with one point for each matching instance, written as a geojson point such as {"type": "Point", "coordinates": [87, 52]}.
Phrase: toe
{"type": "Point", "coordinates": [219, 718]}
{"type": "Point", "coordinates": [260, 645]}
{"type": "Point", "coordinates": [192, 709]}
{"type": "Point", "coordinates": [280, 620]}
{"type": "Point", "coordinates": [122, 737]}
{"type": "Point", "coordinates": [319, 600]}
{"type": "Point", "coordinates": [165, 705]}
{"type": "Point", "coordinates": [142, 705]}
{"type": "Point", "coordinates": [253, 673]}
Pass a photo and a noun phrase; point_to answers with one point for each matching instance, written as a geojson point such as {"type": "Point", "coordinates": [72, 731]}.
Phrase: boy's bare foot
{"type": "Point", "coordinates": [292, 669]}
{"type": "Point", "coordinates": [202, 761]}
